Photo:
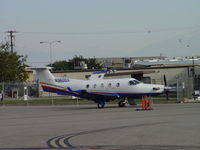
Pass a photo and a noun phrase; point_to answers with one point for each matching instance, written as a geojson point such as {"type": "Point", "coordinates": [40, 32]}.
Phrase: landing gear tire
{"type": "Point", "coordinates": [121, 104]}
{"type": "Point", "coordinates": [100, 106]}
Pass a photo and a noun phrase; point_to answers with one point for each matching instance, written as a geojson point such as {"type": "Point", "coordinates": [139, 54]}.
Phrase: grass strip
{"type": "Point", "coordinates": [74, 101]}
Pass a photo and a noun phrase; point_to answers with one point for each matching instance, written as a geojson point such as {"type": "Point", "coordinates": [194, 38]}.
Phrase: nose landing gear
{"type": "Point", "coordinates": [122, 103]}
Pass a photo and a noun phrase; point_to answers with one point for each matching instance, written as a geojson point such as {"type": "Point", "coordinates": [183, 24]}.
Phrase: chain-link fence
{"type": "Point", "coordinates": [184, 87]}
{"type": "Point", "coordinates": [187, 82]}
{"type": "Point", "coordinates": [17, 90]}
{"type": "Point", "coordinates": [184, 81]}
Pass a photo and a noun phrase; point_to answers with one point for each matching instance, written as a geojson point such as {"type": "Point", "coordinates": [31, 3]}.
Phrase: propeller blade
{"type": "Point", "coordinates": [166, 88]}
{"type": "Point", "coordinates": [165, 81]}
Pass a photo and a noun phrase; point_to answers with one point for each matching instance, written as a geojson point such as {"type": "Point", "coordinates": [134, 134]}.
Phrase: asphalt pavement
{"type": "Point", "coordinates": [167, 126]}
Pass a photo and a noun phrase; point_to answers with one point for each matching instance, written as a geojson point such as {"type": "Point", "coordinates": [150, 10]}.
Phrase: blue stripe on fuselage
{"type": "Point", "coordinates": [133, 95]}
{"type": "Point", "coordinates": [59, 92]}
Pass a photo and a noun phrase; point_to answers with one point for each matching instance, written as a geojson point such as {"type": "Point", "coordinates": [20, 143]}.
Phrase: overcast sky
{"type": "Point", "coordinates": [102, 28]}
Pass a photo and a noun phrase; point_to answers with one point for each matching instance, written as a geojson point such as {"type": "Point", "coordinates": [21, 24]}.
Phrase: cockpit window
{"type": "Point", "coordinates": [137, 82]}
{"type": "Point", "coordinates": [131, 82]}
{"type": "Point", "coordinates": [134, 82]}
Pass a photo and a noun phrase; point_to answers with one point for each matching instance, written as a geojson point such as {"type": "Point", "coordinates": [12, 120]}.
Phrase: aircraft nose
{"type": "Point", "coordinates": [158, 88]}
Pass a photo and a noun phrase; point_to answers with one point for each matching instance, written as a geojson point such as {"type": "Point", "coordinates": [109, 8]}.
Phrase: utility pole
{"type": "Point", "coordinates": [11, 39]}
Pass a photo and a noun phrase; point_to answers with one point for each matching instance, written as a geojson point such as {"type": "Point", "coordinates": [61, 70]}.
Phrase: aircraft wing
{"type": "Point", "coordinates": [97, 95]}
{"type": "Point", "coordinates": [107, 94]}
{"type": "Point", "coordinates": [78, 93]}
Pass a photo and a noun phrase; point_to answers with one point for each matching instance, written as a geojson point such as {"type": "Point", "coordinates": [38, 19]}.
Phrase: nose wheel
{"type": "Point", "coordinates": [122, 103]}
{"type": "Point", "coordinates": [100, 105]}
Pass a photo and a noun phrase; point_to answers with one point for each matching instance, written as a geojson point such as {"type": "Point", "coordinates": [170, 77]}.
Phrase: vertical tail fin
{"type": "Point", "coordinates": [44, 75]}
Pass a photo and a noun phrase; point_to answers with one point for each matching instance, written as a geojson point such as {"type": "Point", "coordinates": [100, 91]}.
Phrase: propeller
{"type": "Point", "coordinates": [166, 88]}
{"type": "Point", "coordinates": [165, 81]}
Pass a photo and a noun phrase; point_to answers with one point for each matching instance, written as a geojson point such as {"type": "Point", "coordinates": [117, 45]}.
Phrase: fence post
{"type": "Point", "coordinates": [177, 94]}
{"type": "Point", "coordinates": [2, 92]}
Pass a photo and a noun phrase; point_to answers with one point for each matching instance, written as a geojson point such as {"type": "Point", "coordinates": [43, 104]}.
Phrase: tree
{"type": "Point", "coordinates": [75, 62]}
{"type": "Point", "coordinates": [93, 64]}
{"type": "Point", "coordinates": [12, 65]}
{"type": "Point", "coordinates": [61, 65]}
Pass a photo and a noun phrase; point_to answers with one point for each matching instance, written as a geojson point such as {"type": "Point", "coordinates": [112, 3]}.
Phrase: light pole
{"type": "Point", "coordinates": [193, 74]}
{"type": "Point", "coordinates": [50, 48]}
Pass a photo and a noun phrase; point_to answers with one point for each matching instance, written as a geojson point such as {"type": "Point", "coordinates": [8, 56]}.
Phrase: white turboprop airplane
{"type": "Point", "coordinates": [97, 88]}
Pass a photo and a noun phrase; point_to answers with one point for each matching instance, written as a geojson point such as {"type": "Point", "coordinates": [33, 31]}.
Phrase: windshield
{"type": "Point", "coordinates": [134, 82]}
{"type": "Point", "coordinates": [137, 81]}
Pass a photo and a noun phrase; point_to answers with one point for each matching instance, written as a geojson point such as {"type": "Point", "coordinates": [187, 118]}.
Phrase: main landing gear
{"type": "Point", "coordinates": [101, 104]}
{"type": "Point", "coordinates": [122, 103]}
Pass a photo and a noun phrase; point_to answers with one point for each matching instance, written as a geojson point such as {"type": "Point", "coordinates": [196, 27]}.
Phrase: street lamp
{"type": "Point", "coordinates": [50, 48]}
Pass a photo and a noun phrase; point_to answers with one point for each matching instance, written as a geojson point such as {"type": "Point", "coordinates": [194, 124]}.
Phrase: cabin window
{"type": "Point", "coordinates": [95, 85]}
{"type": "Point", "coordinates": [109, 85]}
{"type": "Point", "coordinates": [118, 84]}
{"type": "Point", "coordinates": [99, 76]}
{"type": "Point", "coordinates": [102, 85]}
{"type": "Point", "coordinates": [87, 86]}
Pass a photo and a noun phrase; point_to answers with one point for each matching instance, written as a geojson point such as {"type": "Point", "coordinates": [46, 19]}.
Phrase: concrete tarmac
{"type": "Point", "coordinates": [168, 126]}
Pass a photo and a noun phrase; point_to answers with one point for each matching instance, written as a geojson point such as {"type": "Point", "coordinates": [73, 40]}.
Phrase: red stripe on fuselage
{"type": "Point", "coordinates": [51, 88]}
